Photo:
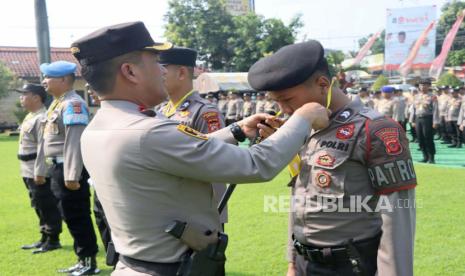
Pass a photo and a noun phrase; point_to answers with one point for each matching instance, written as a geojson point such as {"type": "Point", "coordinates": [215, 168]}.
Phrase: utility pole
{"type": "Point", "coordinates": [42, 32]}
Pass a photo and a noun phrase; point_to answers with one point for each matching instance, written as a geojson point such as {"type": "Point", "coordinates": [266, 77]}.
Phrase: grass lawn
{"type": "Point", "coordinates": [257, 239]}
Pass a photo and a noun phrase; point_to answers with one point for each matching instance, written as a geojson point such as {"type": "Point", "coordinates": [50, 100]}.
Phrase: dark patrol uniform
{"type": "Point", "coordinates": [66, 119]}
{"type": "Point", "coordinates": [42, 198]}
{"type": "Point", "coordinates": [162, 170]}
{"type": "Point", "coordinates": [193, 111]}
{"type": "Point", "coordinates": [361, 154]}
{"type": "Point", "coordinates": [426, 114]}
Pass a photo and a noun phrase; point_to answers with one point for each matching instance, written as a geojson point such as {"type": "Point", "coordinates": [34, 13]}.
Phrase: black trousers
{"type": "Point", "coordinates": [45, 205]}
{"type": "Point", "coordinates": [425, 134]}
{"type": "Point", "coordinates": [403, 124]}
{"type": "Point", "coordinates": [75, 210]}
{"type": "Point", "coordinates": [454, 132]}
{"type": "Point", "coordinates": [443, 129]}
{"type": "Point", "coordinates": [101, 221]}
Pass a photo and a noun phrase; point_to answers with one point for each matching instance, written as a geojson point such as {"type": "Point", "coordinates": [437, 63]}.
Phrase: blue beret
{"type": "Point", "coordinates": [388, 89]}
{"type": "Point", "coordinates": [288, 67]}
{"type": "Point", "coordinates": [58, 69]}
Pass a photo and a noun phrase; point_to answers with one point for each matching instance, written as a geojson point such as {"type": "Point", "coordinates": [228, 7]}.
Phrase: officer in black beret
{"type": "Point", "coordinates": [348, 159]}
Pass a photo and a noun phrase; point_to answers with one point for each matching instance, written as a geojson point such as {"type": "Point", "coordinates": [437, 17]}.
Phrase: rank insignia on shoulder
{"type": "Point", "coordinates": [344, 115]}
{"type": "Point", "coordinates": [323, 179]}
{"type": "Point", "coordinates": [345, 132]}
{"type": "Point", "coordinates": [191, 132]}
{"type": "Point", "coordinates": [325, 160]}
{"type": "Point", "coordinates": [390, 138]}
{"type": "Point", "coordinates": [185, 105]}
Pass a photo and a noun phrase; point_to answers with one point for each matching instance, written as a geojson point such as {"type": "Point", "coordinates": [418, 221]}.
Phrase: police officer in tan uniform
{"type": "Point", "coordinates": [248, 108]}
{"type": "Point", "coordinates": [185, 105]}
{"type": "Point", "coordinates": [149, 171]}
{"type": "Point", "coordinates": [233, 113]}
{"type": "Point", "coordinates": [453, 111]}
{"type": "Point", "coordinates": [425, 116]}
{"type": "Point", "coordinates": [223, 103]}
{"type": "Point", "coordinates": [66, 119]}
{"type": "Point", "coordinates": [361, 154]}
{"type": "Point", "coordinates": [365, 98]}
{"type": "Point", "coordinates": [443, 100]}
{"type": "Point", "coordinates": [400, 109]}
{"type": "Point", "coordinates": [386, 104]}
{"type": "Point", "coordinates": [260, 103]}
{"type": "Point", "coordinates": [271, 107]}
{"type": "Point", "coordinates": [42, 199]}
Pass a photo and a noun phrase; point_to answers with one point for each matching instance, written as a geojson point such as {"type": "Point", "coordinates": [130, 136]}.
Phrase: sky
{"type": "Point", "coordinates": [338, 24]}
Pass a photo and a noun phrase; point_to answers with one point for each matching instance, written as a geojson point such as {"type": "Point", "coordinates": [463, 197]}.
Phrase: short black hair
{"type": "Point", "coordinates": [101, 76]}
{"type": "Point", "coordinates": [402, 33]}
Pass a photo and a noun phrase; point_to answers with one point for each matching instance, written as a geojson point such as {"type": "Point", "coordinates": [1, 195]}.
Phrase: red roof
{"type": "Point", "coordinates": [24, 62]}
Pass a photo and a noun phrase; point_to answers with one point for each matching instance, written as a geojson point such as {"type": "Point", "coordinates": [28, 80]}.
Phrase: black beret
{"type": "Point", "coordinates": [289, 66]}
{"type": "Point", "coordinates": [179, 56]}
{"type": "Point", "coordinates": [35, 89]}
{"type": "Point", "coordinates": [112, 41]}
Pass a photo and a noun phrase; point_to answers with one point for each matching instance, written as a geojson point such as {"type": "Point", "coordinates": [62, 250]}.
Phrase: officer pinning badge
{"type": "Point", "coordinates": [323, 179]}
{"type": "Point", "coordinates": [185, 105]}
{"type": "Point", "coordinates": [325, 160]}
{"type": "Point", "coordinates": [390, 138]}
{"type": "Point", "coordinates": [344, 115]}
{"type": "Point", "coordinates": [345, 132]}
{"type": "Point", "coordinates": [213, 121]}
{"type": "Point", "coordinates": [191, 132]}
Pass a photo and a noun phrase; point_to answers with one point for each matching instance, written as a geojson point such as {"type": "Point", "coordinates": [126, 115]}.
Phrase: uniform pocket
{"type": "Point", "coordinates": [326, 175]}
{"type": "Point", "coordinates": [51, 125]}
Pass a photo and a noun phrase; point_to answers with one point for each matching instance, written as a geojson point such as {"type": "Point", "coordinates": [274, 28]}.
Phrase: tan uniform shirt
{"type": "Point", "coordinates": [461, 118]}
{"type": "Point", "coordinates": [367, 102]}
{"type": "Point", "coordinates": [223, 106]}
{"type": "Point", "coordinates": [260, 106]}
{"type": "Point", "coordinates": [202, 116]}
{"type": "Point", "coordinates": [29, 139]}
{"type": "Point", "coordinates": [248, 109]}
{"type": "Point", "coordinates": [386, 107]}
{"type": "Point", "coordinates": [400, 109]}
{"type": "Point", "coordinates": [234, 110]}
{"type": "Point", "coordinates": [149, 171]}
{"type": "Point", "coordinates": [442, 104]}
{"type": "Point", "coordinates": [360, 155]}
{"type": "Point", "coordinates": [63, 127]}
{"type": "Point", "coordinates": [425, 105]}
{"type": "Point", "coordinates": [453, 109]}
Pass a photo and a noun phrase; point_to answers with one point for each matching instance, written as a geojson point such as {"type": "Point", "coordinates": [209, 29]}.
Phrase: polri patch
{"type": "Point", "coordinates": [75, 113]}
{"type": "Point", "coordinates": [191, 132]}
{"type": "Point", "coordinates": [390, 138]}
{"type": "Point", "coordinates": [345, 132]}
{"type": "Point", "coordinates": [323, 179]}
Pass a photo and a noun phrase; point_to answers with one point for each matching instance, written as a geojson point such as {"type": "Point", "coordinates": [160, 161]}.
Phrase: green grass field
{"type": "Point", "coordinates": [257, 239]}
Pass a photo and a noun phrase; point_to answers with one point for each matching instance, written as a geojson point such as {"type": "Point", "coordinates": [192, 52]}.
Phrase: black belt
{"type": "Point", "coordinates": [27, 157]}
{"type": "Point", "coordinates": [151, 268]}
{"type": "Point", "coordinates": [425, 116]}
{"type": "Point", "coordinates": [335, 254]}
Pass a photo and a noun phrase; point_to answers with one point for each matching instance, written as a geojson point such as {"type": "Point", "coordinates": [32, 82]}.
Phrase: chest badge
{"type": "Point", "coordinates": [184, 113]}
{"type": "Point", "coordinates": [344, 115]}
{"type": "Point", "coordinates": [325, 160]}
{"type": "Point", "coordinates": [184, 105]}
{"type": "Point", "coordinates": [323, 179]}
{"type": "Point", "coordinates": [345, 132]}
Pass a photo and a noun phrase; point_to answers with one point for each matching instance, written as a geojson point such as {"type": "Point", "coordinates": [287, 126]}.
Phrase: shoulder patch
{"type": "Point", "coordinates": [75, 113]}
{"type": "Point", "coordinates": [391, 139]}
{"type": "Point", "coordinates": [191, 132]}
{"type": "Point", "coordinates": [213, 120]}
{"type": "Point", "coordinates": [344, 115]}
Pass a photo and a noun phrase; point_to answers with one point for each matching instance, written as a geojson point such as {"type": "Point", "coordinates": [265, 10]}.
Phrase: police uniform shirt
{"type": "Point", "coordinates": [367, 102]}
{"type": "Point", "coordinates": [399, 112]}
{"type": "Point", "coordinates": [362, 154]}
{"type": "Point", "coordinates": [149, 171]}
{"type": "Point", "coordinates": [29, 138]}
{"type": "Point", "coordinates": [386, 107]}
{"type": "Point", "coordinates": [260, 106]}
{"type": "Point", "coordinates": [453, 109]}
{"type": "Point", "coordinates": [223, 106]}
{"type": "Point", "coordinates": [234, 109]}
{"type": "Point", "coordinates": [442, 104]}
{"type": "Point", "coordinates": [203, 116]}
{"type": "Point", "coordinates": [63, 126]}
{"type": "Point", "coordinates": [425, 105]}
{"type": "Point", "coordinates": [461, 117]}
{"type": "Point", "coordinates": [271, 106]}
{"type": "Point", "coordinates": [248, 108]}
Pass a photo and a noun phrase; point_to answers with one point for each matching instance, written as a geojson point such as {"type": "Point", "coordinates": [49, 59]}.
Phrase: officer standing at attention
{"type": "Point", "coordinates": [425, 116]}
{"type": "Point", "coordinates": [66, 119]}
{"type": "Point", "coordinates": [248, 108]}
{"type": "Point", "coordinates": [31, 164]}
{"type": "Point", "coordinates": [386, 104]}
{"type": "Point", "coordinates": [365, 98]}
{"type": "Point", "coordinates": [452, 116]}
{"type": "Point", "coordinates": [271, 107]}
{"type": "Point", "coordinates": [185, 105]}
{"type": "Point", "coordinates": [361, 154]}
{"type": "Point", "coordinates": [443, 100]}
{"type": "Point", "coordinates": [149, 171]}
{"type": "Point", "coordinates": [260, 104]}
{"type": "Point", "coordinates": [400, 109]}
{"type": "Point", "coordinates": [223, 103]}
{"type": "Point", "coordinates": [233, 112]}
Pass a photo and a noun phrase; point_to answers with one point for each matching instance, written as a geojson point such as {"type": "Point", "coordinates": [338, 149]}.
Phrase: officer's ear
{"type": "Point", "coordinates": [129, 72]}
{"type": "Point", "coordinates": [323, 83]}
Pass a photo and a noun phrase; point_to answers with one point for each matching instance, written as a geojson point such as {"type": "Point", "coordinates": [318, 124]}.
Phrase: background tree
{"type": "Point", "coordinates": [7, 80]}
{"type": "Point", "coordinates": [380, 82]}
{"type": "Point", "coordinates": [449, 79]}
{"type": "Point", "coordinates": [226, 42]}
{"type": "Point", "coordinates": [335, 59]}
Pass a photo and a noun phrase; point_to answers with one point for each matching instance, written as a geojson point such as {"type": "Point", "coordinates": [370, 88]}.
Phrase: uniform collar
{"type": "Point", "coordinates": [117, 104]}
{"type": "Point", "coordinates": [171, 108]}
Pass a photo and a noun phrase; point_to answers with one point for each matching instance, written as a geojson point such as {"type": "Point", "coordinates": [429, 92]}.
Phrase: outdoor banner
{"type": "Point", "coordinates": [364, 50]}
{"type": "Point", "coordinates": [403, 28]}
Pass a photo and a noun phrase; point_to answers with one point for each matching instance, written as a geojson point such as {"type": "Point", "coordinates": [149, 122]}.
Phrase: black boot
{"type": "Point", "coordinates": [89, 267]}
{"type": "Point", "coordinates": [36, 244]}
{"type": "Point", "coordinates": [431, 159]}
{"type": "Point", "coordinates": [425, 158]}
{"type": "Point", "coordinates": [52, 243]}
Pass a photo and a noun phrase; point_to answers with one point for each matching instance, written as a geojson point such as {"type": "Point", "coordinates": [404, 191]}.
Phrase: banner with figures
{"type": "Point", "coordinates": [403, 28]}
